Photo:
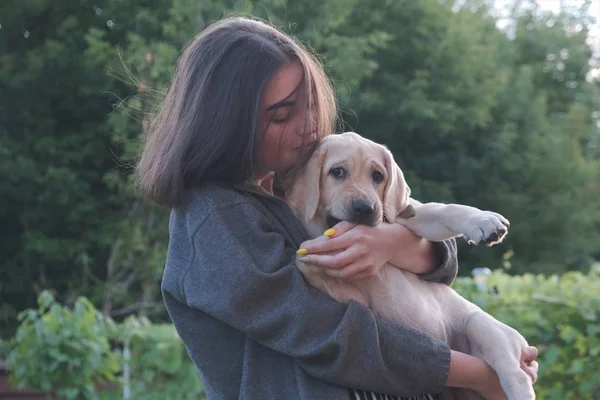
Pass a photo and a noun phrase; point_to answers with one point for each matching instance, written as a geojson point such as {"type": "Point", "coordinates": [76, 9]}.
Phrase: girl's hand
{"type": "Point", "coordinates": [358, 251]}
{"type": "Point", "coordinates": [473, 373]}
{"type": "Point", "coordinates": [352, 250]}
{"type": "Point", "coordinates": [528, 363]}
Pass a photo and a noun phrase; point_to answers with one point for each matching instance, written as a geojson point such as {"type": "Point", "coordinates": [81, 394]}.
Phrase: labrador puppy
{"type": "Point", "coordinates": [351, 178]}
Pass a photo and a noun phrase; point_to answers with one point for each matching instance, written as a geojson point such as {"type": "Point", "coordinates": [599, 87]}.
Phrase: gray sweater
{"type": "Point", "coordinates": [256, 330]}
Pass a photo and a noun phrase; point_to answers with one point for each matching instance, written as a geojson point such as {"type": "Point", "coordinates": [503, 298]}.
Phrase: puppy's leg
{"type": "Point", "coordinates": [437, 221]}
{"type": "Point", "coordinates": [500, 346]}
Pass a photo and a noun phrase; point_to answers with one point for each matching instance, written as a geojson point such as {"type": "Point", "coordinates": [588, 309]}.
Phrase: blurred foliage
{"type": "Point", "coordinates": [159, 364]}
{"type": "Point", "coordinates": [62, 350]}
{"type": "Point", "coordinates": [473, 115]}
{"type": "Point", "coordinates": [80, 354]}
{"type": "Point", "coordinates": [559, 315]}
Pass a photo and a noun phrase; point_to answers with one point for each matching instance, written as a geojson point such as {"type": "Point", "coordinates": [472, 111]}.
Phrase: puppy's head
{"type": "Point", "coordinates": [349, 178]}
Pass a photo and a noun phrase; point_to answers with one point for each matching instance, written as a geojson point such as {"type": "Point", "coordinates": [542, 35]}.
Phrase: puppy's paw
{"type": "Point", "coordinates": [485, 227]}
{"type": "Point", "coordinates": [517, 386]}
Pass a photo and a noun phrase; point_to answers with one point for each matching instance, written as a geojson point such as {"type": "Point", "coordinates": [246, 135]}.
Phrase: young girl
{"type": "Point", "coordinates": [245, 107]}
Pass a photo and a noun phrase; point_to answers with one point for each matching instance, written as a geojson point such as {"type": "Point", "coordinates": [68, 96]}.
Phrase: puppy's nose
{"type": "Point", "coordinates": [362, 209]}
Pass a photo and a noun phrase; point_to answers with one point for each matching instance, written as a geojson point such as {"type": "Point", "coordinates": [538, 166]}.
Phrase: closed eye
{"type": "Point", "coordinates": [282, 113]}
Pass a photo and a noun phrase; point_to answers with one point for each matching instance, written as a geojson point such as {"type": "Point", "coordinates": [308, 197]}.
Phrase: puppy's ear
{"type": "Point", "coordinates": [396, 192]}
{"type": "Point", "coordinates": [305, 192]}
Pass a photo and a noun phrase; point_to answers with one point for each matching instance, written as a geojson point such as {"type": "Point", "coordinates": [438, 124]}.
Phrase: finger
{"type": "Point", "coordinates": [340, 228]}
{"type": "Point", "coordinates": [531, 370]}
{"type": "Point", "coordinates": [532, 375]}
{"type": "Point", "coordinates": [530, 353]}
{"type": "Point", "coordinates": [326, 246]}
{"type": "Point", "coordinates": [362, 275]}
{"type": "Point", "coordinates": [347, 272]}
{"type": "Point", "coordinates": [310, 242]}
{"type": "Point", "coordinates": [336, 242]}
{"type": "Point", "coordinates": [534, 368]}
{"type": "Point", "coordinates": [335, 260]}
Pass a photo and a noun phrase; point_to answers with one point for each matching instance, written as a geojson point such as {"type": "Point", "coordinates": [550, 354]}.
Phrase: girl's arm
{"type": "Point", "coordinates": [241, 271]}
{"type": "Point", "coordinates": [432, 261]}
{"type": "Point", "coordinates": [473, 373]}
{"type": "Point", "coordinates": [355, 251]}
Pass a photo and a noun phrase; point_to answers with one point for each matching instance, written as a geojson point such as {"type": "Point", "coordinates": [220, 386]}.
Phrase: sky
{"type": "Point", "coordinates": [554, 6]}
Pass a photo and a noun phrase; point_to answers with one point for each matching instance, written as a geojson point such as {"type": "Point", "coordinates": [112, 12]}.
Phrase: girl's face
{"type": "Point", "coordinates": [288, 126]}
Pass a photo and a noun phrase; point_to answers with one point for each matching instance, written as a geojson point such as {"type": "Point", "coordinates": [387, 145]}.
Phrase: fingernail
{"type": "Point", "coordinates": [329, 232]}
{"type": "Point", "coordinates": [304, 259]}
{"type": "Point", "coordinates": [302, 252]}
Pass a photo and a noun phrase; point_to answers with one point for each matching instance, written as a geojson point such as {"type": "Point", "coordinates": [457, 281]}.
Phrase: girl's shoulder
{"type": "Point", "coordinates": [211, 197]}
{"type": "Point", "coordinates": [204, 201]}
{"type": "Point", "coordinates": [246, 204]}
{"type": "Point", "coordinates": [235, 209]}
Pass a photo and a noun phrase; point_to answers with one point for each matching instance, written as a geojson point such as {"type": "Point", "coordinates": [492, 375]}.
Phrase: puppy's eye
{"type": "Point", "coordinates": [377, 176]}
{"type": "Point", "coordinates": [338, 172]}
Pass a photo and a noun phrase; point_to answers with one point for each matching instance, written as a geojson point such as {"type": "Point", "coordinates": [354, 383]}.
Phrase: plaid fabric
{"type": "Point", "coordinates": [364, 395]}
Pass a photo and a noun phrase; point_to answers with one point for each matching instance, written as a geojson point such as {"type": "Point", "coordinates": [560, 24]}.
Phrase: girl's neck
{"type": "Point", "coordinates": [265, 181]}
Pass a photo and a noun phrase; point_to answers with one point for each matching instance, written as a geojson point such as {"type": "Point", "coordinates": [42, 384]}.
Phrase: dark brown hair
{"type": "Point", "coordinates": [208, 127]}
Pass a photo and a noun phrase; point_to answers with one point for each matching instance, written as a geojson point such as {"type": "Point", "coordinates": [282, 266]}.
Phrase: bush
{"type": "Point", "coordinates": [4, 349]}
{"type": "Point", "coordinates": [80, 354]}
{"type": "Point", "coordinates": [559, 315]}
{"type": "Point", "coordinates": [62, 349]}
{"type": "Point", "coordinates": [58, 348]}
{"type": "Point", "coordinates": [159, 365]}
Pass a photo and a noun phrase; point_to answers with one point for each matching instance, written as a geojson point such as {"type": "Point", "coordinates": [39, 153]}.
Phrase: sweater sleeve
{"type": "Point", "coordinates": [447, 269]}
{"type": "Point", "coordinates": [242, 273]}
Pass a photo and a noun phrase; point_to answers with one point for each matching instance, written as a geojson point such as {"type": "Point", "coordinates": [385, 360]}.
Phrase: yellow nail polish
{"type": "Point", "coordinates": [302, 252]}
{"type": "Point", "coordinates": [329, 232]}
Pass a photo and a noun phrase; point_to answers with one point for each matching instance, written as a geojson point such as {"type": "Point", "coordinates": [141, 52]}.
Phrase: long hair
{"type": "Point", "coordinates": [208, 125]}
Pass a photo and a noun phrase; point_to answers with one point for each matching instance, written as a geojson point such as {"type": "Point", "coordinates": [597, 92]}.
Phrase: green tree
{"type": "Point", "coordinates": [78, 82]}
{"type": "Point", "coordinates": [473, 116]}
{"type": "Point", "coordinates": [478, 118]}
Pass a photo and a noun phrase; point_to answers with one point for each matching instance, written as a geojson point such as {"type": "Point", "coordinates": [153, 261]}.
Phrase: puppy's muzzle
{"type": "Point", "coordinates": [361, 212]}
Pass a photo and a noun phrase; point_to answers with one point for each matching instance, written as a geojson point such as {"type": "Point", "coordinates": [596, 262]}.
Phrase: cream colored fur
{"type": "Point", "coordinates": [396, 294]}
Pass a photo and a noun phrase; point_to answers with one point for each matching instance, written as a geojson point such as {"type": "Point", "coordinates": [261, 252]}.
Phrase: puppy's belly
{"type": "Point", "coordinates": [401, 296]}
